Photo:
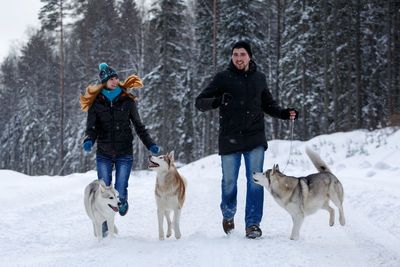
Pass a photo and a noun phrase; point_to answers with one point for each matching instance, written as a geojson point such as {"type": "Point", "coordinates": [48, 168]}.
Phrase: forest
{"type": "Point", "coordinates": [336, 61]}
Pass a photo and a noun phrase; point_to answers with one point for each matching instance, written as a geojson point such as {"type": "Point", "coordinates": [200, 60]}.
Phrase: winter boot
{"type": "Point", "coordinates": [253, 232]}
{"type": "Point", "coordinates": [228, 225]}
{"type": "Point", "coordinates": [123, 207]}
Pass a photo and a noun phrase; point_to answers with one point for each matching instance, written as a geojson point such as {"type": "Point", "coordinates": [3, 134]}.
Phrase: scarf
{"type": "Point", "coordinates": [111, 94]}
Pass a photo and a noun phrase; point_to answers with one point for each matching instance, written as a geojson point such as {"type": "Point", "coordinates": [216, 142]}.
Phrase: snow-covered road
{"type": "Point", "coordinates": [44, 222]}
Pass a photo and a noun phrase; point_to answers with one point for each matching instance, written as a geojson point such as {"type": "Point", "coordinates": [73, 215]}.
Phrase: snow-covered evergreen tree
{"type": "Point", "coordinates": [130, 35]}
{"type": "Point", "coordinates": [243, 20]}
{"type": "Point", "coordinates": [374, 51]}
{"type": "Point", "coordinates": [206, 40]}
{"type": "Point", "coordinates": [162, 98]}
{"type": "Point", "coordinates": [38, 147]}
{"type": "Point", "coordinates": [301, 81]}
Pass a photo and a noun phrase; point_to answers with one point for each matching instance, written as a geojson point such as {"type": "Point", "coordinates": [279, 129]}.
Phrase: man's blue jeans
{"type": "Point", "coordinates": [123, 166]}
{"type": "Point", "coordinates": [254, 160]}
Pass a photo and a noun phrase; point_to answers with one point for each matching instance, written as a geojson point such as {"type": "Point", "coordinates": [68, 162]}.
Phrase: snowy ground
{"type": "Point", "coordinates": [44, 222]}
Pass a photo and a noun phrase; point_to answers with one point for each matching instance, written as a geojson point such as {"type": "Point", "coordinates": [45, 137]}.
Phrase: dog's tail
{"type": "Point", "coordinates": [317, 161]}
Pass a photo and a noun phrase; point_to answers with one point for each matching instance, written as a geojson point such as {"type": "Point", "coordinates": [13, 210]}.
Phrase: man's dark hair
{"type": "Point", "coordinates": [245, 45]}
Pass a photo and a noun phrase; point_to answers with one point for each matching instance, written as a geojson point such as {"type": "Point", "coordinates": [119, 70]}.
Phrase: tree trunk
{"type": "Point", "coordinates": [275, 124]}
{"type": "Point", "coordinates": [389, 69]}
{"type": "Point", "coordinates": [395, 94]}
{"type": "Point", "coordinates": [335, 88]}
{"type": "Point", "coordinates": [359, 90]}
{"type": "Point", "coordinates": [61, 89]}
{"type": "Point", "coordinates": [324, 117]}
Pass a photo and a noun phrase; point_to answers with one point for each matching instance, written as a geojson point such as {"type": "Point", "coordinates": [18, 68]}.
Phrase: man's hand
{"type": "Point", "coordinates": [292, 114]}
{"type": "Point", "coordinates": [226, 98]}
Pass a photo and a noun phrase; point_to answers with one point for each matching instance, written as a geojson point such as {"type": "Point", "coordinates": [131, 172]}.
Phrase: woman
{"type": "Point", "coordinates": [111, 109]}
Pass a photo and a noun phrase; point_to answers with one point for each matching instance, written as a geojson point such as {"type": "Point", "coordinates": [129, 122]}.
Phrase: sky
{"type": "Point", "coordinates": [44, 223]}
{"type": "Point", "coordinates": [16, 17]}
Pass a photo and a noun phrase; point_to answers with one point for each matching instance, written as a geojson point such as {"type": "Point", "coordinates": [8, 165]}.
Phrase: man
{"type": "Point", "coordinates": [241, 94]}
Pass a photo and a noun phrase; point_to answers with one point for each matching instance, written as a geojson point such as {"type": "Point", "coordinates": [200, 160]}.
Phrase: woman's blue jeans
{"type": "Point", "coordinates": [254, 160]}
{"type": "Point", "coordinates": [123, 166]}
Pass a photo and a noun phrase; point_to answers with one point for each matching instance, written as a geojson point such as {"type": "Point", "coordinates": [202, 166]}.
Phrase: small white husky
{"type": "Point", "coordinates": [101, 204]}
{"type": "Point", "coordinates": [170, 192]}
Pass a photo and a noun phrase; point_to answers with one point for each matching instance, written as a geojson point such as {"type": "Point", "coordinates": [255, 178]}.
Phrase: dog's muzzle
{"type": "Point", "coordinates": [113, 208]}
{"type": "Point", "coordinates": [254, 179]}
{"type": "Point", "coordinates": [153, 164]}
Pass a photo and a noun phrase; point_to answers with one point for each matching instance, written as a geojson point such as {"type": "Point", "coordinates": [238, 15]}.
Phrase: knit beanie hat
{"type": "Point", "coordinates": [106, 72]}
{"type": "Point", "coordinates": [245, 45]}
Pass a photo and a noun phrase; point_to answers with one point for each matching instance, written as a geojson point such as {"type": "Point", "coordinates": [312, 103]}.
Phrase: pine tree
{"type": "Point", "coordinates": [302, 66]}
{"type": "Point", "coordinates": [39, 107]}
{"type": "Point", "coordinates": [9, 118]}
{"type": "Point", "coordinates": [52, 15]}
{"type": "Point", "coordinates": [243, 20]}
{"type": "Point", "coordinates": [165, 89]}
{"type": "Point", "coordinates": [206, 18]}
{"type": "Point", "coordinates": [130, 34]}
{"type": "Point", "coordinates": [374, 43]}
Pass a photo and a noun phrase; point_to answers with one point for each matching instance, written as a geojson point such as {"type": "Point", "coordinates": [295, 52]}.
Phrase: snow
{"type": "Point", "coordinates": [44, 222]}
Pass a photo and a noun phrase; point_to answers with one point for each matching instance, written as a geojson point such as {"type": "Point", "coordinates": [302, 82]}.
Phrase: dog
{"type": "Point", "coordinates": [302, 196]}
{"type": "Point", "coordinates": [170, 192]}
{"type": "Point", "coordinates": [101, 204]}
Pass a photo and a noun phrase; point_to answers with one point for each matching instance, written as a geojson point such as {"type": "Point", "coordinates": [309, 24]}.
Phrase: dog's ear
{"type": "Point", "coordinates": [102, 187]}
{"type": "Point", "coordinates": [171, 155]}
{"type": "Point", "coordinates": [275, 168]}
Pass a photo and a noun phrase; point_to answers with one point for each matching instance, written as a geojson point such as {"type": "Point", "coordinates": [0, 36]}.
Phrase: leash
{"type": "Point", "coordinates": [291, 144]}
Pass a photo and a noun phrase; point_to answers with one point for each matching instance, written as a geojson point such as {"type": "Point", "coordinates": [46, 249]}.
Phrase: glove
{"type": "Point", "coordinates": [222, 100]}
{"type": "Point", "coordinates": [87, 145]}
{"type": "Point", "coordinates": [286, 113]}
{"type": "Point", "coordinates": [226, 98]}
{"type": "Point", "coordinates": [154, 149]}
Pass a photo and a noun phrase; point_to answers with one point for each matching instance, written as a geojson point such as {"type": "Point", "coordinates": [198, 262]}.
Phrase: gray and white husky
{"type": "Point", "coordinates": [302, 196]}
{"type": "Point", "coordinates": [170, 192]}
{"type": "Point", "coordinates": [101, 204]}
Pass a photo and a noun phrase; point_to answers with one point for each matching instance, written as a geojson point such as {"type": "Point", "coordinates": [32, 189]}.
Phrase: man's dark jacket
{"type": "Point", "coordinates": [242, 98]}
{"type": "Point", "coordinates": [110, 124]}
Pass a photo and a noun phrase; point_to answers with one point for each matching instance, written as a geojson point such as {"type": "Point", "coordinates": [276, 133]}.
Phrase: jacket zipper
{"type": "Point", "coordinates": [246, 103]}
{"type": "Point", "coordinates": [113, 128]}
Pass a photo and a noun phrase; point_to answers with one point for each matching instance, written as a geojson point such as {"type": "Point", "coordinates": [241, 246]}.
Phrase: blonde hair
{"type": "Point", "coordinates": [92, 91]}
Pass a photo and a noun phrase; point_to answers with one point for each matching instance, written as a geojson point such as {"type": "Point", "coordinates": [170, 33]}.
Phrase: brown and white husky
{"type": "Point", "coordinates": [170, 193]}
{"type": "Point", "coordinates": [303, 196]}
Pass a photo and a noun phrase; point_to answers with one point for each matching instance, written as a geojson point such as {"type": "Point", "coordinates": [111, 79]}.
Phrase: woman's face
{"type": "Point", "coordinates": [112, 83]}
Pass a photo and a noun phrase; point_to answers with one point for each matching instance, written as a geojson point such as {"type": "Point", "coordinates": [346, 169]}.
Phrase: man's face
{"type": "Point", "coordinates": [240, 58]}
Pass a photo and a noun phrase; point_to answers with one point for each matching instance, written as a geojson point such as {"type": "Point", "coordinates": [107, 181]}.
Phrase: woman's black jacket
{"type": "Point", "coordinates": [109, 123]}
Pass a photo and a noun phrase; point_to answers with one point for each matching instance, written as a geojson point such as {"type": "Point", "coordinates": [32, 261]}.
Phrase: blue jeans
{"type": "Point", "coordinates": [123, 166]}
{"type": "Point", "coordinates": [254, 160]}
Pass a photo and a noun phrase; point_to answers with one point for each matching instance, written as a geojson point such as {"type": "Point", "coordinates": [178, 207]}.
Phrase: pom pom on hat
{"type": "Point", "coordinates": [102, 66]}
{"type": "Point", "coordinates": [106, 72]}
